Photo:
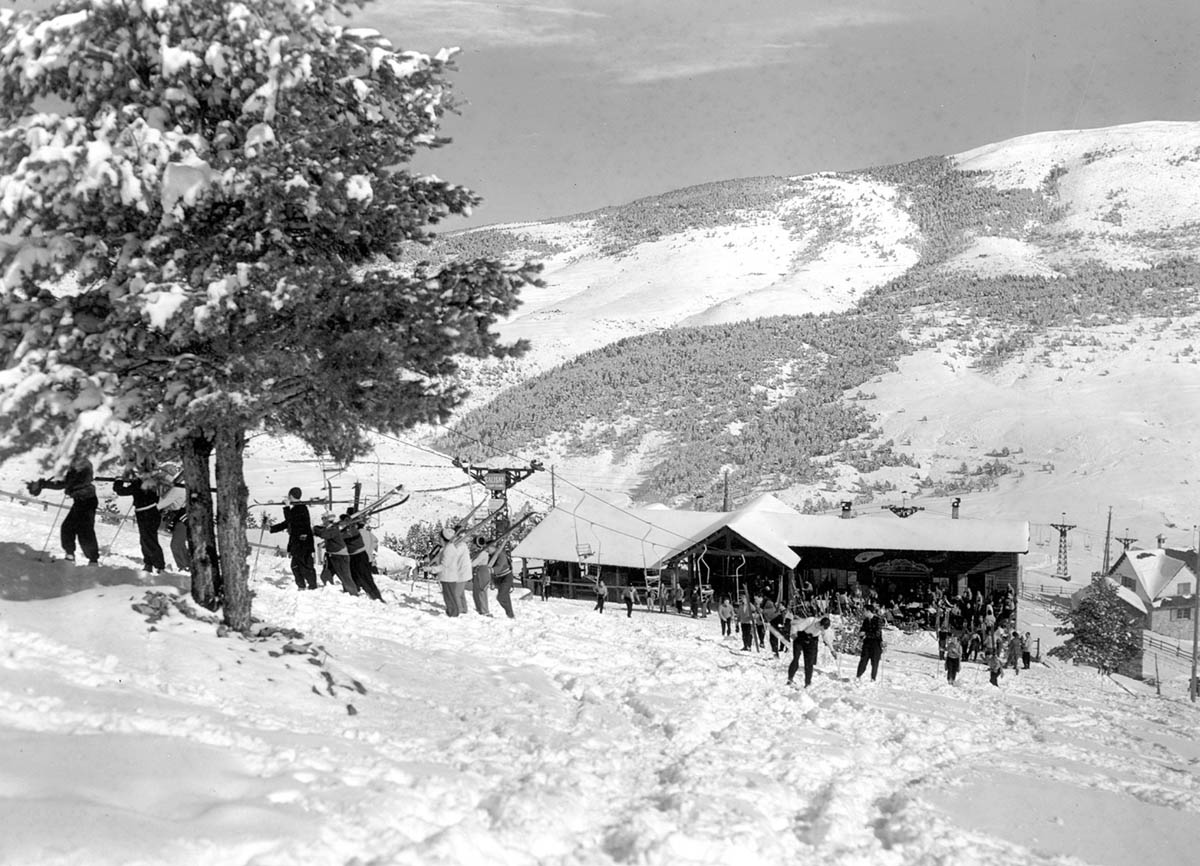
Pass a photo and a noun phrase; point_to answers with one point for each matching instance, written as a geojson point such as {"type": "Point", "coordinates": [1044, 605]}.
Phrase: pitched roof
{"type": "Point", "coordinates": [645, 538]}
{"type": "Point", "coordinates": [1159, 572]}
{"type": "Point", "coordinates": [1124, 593]}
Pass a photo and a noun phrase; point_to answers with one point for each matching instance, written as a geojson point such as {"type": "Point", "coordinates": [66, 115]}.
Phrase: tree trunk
{"type": "Point", "coordinates": [231, 525]}
{"type": "Point", "coordinates": [205, 568]}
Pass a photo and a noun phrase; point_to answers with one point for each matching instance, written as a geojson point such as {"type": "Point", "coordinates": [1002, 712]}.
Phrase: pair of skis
{"type": "Point", "coordinates": [393, 498]}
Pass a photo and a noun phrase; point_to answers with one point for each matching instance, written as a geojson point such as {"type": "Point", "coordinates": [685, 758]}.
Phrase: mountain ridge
{"type": "Point", "coordinates": [1110, 214]}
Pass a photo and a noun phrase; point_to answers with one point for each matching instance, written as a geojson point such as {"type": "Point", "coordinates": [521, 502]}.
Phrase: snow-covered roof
{"type": "Point", "coordinates": [1124, 593]}
{"type": "Point", "coordinates": [645, 538]}
{"type": "Point", "coordinates": [1159, 572]}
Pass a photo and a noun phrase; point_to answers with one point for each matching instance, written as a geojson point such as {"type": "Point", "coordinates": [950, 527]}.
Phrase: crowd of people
{"type": "Point", "coordinates": [456, 568]}
{"type": "Point", "coordinates": [156, 501]}
{"type": "Point", "coordinates": [967, 627]}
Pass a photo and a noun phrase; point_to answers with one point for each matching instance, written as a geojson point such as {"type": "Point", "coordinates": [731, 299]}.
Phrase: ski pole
{"type": "Point", "coordinates": [121, 525]}
{"type": "Point", "coordinates": [53, 523]}
{"type": "Point", "coordinates": [261, 534]}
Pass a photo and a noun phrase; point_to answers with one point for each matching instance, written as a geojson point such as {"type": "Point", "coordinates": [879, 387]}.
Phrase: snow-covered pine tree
{"type": "Point", "coordinates": [203, 205]}
{"type": "Point", "coordinates": [1102, 631]}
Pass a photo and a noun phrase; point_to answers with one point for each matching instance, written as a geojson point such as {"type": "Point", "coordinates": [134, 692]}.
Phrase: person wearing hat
{"type": "Point", "coordinates": [337, 556]}
{"type": "Point", "coordinates": [810, 631]}
{"type": "Point", "coordinates": [454, 572]}
{"type": "Point", "coordinates": [300, 546]}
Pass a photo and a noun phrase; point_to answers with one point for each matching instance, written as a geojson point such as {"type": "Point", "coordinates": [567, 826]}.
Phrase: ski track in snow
{"type": "Point", "coordinates": [563, 736]}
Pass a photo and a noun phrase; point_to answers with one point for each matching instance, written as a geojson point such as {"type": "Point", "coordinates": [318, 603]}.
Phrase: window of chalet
{"type": "Point", "coordinates": [1184, 589]}
{"type": "Point", "coordinates": [1181, 613]}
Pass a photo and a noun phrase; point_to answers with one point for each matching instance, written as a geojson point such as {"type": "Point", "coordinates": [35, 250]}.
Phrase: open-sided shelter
{"type": "Point", "coordinates": [772, 548]}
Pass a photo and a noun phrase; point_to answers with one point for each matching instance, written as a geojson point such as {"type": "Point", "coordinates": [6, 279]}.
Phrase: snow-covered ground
{"type": "Point", "coordinates": [391, 734]}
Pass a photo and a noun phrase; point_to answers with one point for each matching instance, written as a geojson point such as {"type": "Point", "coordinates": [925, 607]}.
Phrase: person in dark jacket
{"type": "Point", "coordinates": [300, 546]}
{"type": "Point", "coordinates": [80, 522]}
{"type": "Point", "coordinates": [502, 575]}
{"type": "Point", "coordinates": [145, 510]}
{"type": "Point", "coordinates": [872, 643]}
{"type": "Point", "coordinates": [337, 557]}
{"type": "Point", "coordinates": [360, 560]}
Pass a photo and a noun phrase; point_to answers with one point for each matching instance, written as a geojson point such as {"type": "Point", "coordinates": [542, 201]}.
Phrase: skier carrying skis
{"type": "Point", "coordinates": [360, 560]}
{"type": "Point", "coordinates": [337, 557]}
{"type": "Point", "coordinates": [481, 576]}
{"type": "Point", "coordinates": [145, 492]}
{"type": "Point", "coordinates": [80, 522]}
{"type": "Point", "coordinates": [502, 574]}
{"type": "Point", "coordinates": [453, 570]}
{"type": "Point", "coordinates": [810, 631]}
{"type": "Point", "coordinates": [300, 546]}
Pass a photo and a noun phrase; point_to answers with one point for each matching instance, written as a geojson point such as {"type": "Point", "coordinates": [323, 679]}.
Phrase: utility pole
{"type": "Point", "coordinates": [1127, 540]}
{"type": "Point", "coordinates": [1063, 528]}
{"type": "Point", "coordinates": [725, 501]}
{"type": "Point", "coordinates": [1192, 685]}
{"type": "Point", "coordinates": [1195, 612]}
{"type": "Point", "coordinates": [1107, 540]}
{"type": "Point", "coordinates": [553, 498]}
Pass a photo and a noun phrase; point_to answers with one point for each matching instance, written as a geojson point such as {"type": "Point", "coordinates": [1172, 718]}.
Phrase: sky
{"type": "Point", "coordinates": [570, 105]}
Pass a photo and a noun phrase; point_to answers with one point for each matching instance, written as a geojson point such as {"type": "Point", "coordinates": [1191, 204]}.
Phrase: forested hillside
{"type": "Point", "coordinates": [773, 400]}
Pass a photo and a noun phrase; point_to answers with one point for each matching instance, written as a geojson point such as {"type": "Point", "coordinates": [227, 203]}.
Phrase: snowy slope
{"type": "Point", "coordinates": [391, 734]}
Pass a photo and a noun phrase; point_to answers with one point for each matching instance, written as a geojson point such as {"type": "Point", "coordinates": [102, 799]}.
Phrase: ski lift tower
{"type": "Point", "coordinates": [1063, 528]}
{"type": "Point", "coordinates": [498, 482]}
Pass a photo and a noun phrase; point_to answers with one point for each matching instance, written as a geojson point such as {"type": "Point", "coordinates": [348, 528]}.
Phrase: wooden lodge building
{"type": "Point", "coordinates": [770, 547]}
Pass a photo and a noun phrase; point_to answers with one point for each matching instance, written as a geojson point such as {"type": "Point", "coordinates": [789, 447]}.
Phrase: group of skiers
{"type": "Point", "coordinates": [157, 501]}
{"type": "Point", "coordinates": [456, 568]}
{"type": "Point", "coordinates": [348, 543]}
{"type": "Point", "coordinates": [1000, 650]}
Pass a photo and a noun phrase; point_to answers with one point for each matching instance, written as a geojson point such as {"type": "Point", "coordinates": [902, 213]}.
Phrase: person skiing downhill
{"type": "Point", "coordinates": [810, 631]}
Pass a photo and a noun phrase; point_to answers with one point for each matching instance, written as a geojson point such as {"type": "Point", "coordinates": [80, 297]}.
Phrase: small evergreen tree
{"type": "Point", "coordinates": [1102, 631]}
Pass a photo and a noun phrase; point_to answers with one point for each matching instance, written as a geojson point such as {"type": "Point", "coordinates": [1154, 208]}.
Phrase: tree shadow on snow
{"type": "Point", "coordinates": [24, 576]}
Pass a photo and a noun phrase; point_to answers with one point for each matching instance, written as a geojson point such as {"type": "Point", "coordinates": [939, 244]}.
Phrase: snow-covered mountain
{"type": "Point", "coordinates": [1124, 196]}
{"type": "Point", "coordinates": [1102, 415]}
